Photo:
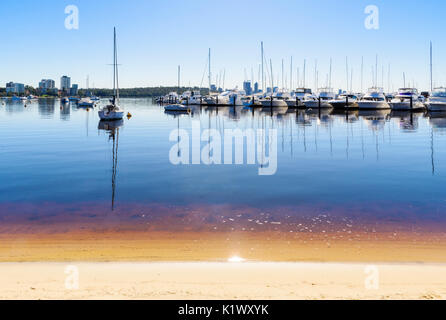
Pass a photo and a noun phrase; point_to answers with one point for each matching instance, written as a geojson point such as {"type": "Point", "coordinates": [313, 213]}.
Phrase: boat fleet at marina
{"type": "Point", "coordinates": [405, 99]}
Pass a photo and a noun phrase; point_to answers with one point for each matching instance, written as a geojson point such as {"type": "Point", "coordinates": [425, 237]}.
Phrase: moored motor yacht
{"type": "Point", "coordinates": [191, 98]}
{"type": "Point", "coordinates": [322, 100]}
{"type": "Point", "coordinates": [177, 108]}
{"type": "Point", "coordinates": [272, 101]}
{"type": "Point", "coordinates": [301, 95]}
{"type": "Point", "coordinates": [407, 99]}
{"type": "Point", "coordinates": [437, 100]}
{"type": "Point", "coordinates": [345, 101]}
{"type": "Point", "coordinates": [86, 103]}
{"type": "Point", "coordinates": [373, 100]}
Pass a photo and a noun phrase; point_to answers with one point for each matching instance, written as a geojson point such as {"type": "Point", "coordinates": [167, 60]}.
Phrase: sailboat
{"type": "Point", "coordinates": [112, 111]}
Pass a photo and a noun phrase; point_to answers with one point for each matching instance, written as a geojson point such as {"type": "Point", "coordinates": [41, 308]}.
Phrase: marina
{"type": "Point", "coordinates": [186, 153]}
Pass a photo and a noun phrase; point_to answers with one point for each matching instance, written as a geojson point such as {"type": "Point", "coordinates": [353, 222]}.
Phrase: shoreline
{"type": "Point", "coordinates": [131, 246]}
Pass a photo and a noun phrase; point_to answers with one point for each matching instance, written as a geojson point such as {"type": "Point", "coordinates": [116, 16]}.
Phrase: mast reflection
{"type": "Point", "coordinates": [112, 128]}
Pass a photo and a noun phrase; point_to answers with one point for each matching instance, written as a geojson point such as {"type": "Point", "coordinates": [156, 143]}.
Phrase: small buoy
{"type": "Point", "coordinates": [88, 109]}
{"type": "Point", "coordinates": [129, 115]}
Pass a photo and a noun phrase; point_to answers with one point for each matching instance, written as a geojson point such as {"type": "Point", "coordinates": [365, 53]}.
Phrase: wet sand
{"type": "Point", "coordinates": [155, 281]}
{"type": "Point", "coordinates": [121, 245]}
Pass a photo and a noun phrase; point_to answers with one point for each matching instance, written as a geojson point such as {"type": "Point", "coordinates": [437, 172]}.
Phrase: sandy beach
{"type": "Point", "coordinates": [121, 264]}
{"type": "Point", "coordinates": [154, 281]}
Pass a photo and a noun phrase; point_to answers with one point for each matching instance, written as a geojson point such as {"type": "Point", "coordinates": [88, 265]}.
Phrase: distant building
{"type": "Point", "coordinates": [47, 86]}
{"type": "Point", "coordinates": [15, 88]}
{"type": "Point", "coordinates": [213, 87]}
{"type": "Point", "coordinates": [256, 87]}
{"type": "Point", "coordinates": [65, 84]}
{"type": "Point", "coordinates": [74, 90]}
{"type": "Point", "coordinates": [247, 87]}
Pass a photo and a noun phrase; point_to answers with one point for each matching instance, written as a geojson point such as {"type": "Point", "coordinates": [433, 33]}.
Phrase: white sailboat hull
{"type": "Point", "coordinates": [112, 115]}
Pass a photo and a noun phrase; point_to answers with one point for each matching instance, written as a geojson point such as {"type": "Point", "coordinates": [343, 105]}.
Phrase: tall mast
{"type": "Point", "coordinates": [283, 82]}
{"type": "Point", "coordinates": [388, 80]}
{"type": "Point", "coordinates": [315, 76]}
{"type": "Point", "coordinates": [362, 74]}
{"type": "Point", "coordinates": [210, 79]}
{"type": "Point", "coordinates": [263, 72]}
{"type": "Point", "coordinates": [116, 77]}
{"type": "Point", "coordinates": [346, 68]}
{"type": "Point", "coordinates": [376, 72]}
{"type": "Point", "coordinates": [179, 77]}
{"type": "Point", "coordinates": [291, 74]}
{"type": "Point", "coordinates": [305, 65]}
{"type": "Point", "coordinates": [114, 62]}
{"type": "Point", "coordinates": [272, 76]}
{"type": "Point", "coordinates": [382, 76]}
{"type": "Point", "coordinates": [432, 86]}
{"type": "Point", "coordinates": [351, 81]}
{"type": "Point", "coordinates": [329, 81]}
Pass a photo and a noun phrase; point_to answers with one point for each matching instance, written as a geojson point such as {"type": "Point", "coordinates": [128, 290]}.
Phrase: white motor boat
{"type": "Point", "coordinates": [274, 102]}
{"type": "Point", "coordinates": [252, 101]}
{"type": "Point", "coordinates": [86, 103]}
{"type": "Point", "coordinates": [407, 99]}
{"type": "Point", "coordinates": [321, 101]}
{"type": "Point", "coordinates": [112, 111]}
{"type": "Point", "coordinates": [177, 108]}
{"type": "Point", "coordinates": [374, 100]}
{"type": "Point", "coordinates": [299, 96]}
{"type": "Point", "coordinates": [236, 97]}
{"type": "Point", "coordinates": [192, 98]}
{"type": "Point", "coordinates": [172, 97]}
{"type": "Point", "coordinates": [345, 101]}
{"type": "Point", "coordinates": [437, 100]}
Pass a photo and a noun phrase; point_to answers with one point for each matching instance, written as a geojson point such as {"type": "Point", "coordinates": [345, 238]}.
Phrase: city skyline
{"type": "Point", "coordinates": [163, 36]}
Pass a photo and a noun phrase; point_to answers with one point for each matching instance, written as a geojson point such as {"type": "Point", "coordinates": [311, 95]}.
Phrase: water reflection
{"type": "Point", "coordinates": [336, 156]}
{"type": "Point", "coordinates": [65, 111]}
{"type": "Point", "coordinates": [112, 128]}
{"type": "Point", "coordinates": [47, 108]}
{"type": "Point", "coordinates": [438, 121]}
{"type": "Point", "coordinates": [408, 121]}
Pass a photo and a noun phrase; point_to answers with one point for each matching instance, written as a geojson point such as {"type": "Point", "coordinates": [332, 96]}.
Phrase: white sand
{"type": "Point", "coordinates": [221, 281]}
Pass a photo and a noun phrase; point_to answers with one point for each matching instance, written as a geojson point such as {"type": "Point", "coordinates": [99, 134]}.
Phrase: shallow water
{"type": "Point", "coordinates": [58, 164]}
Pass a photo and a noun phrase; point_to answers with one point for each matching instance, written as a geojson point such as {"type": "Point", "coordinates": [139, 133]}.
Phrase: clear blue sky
{"type": "Point", "coordinates": [156, 36]}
